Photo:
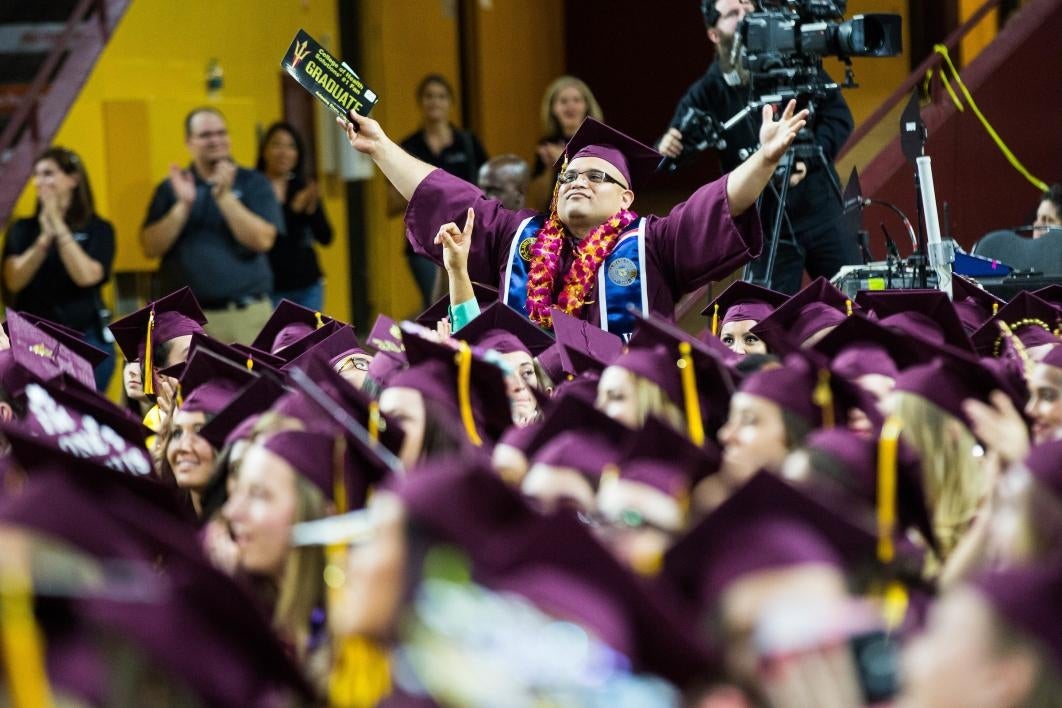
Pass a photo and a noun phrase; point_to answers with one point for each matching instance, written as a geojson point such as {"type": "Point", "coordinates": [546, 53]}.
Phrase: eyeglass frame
{"type": "Point", "coordinates": [605, 177]}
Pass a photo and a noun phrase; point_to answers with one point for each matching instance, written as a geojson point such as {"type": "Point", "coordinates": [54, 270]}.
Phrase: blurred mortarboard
{"type": "Point", "coordinates": [1026, 598]}
{"type": "Point", "coordinates": [1032, 320]}
{"type": "Point", "coordinates": [69, 337]}
{"type": "Point", "coordinates": [245, 357]}
{"type": "Point", "coordinates": [862, 346]}
{"type": "Point", "coordinates": [973, 304]}
{"type": "Point", "coordinates": [503, 329]}
{"type": "Point", "coordinates": [440, 309]}
{"type": "Point", "coordinates": [321, 457]}
{"type": "Point", "coordinates": [577, 415]}
{"type": "Point", "coordinates": [1044, 461]}
{"type": "Point", "coordinates": [288, 323]}
{"type": "Point", "coordinates": [175, 315]}
{"type": "Point", "coordinates": [742, 301]}
{"type": "Point", "coordinates": [552, 363]}
{"type": "Point", "coordinates": [257, 356]}
{"type": "Point", "coordinates": [950, 379]}
{"type": "Point", "coordinates": [45, 355]}
{"type": "Point", "coordinates": [210, 382]}
{"type": "Point", "coordinates": [386, 337]}
{"type": "Point", "coordinates": [583, 345]}
{"type": "Point", "coordinates": [816, 307]}
{"type": "Point", "coordinates": [13, 377]}
{"type": "Point", "coordinates": [305, 343]}
{"type": "Point", "coordinates": [923, 314]}
{"type": "Point", "coordinates": [333, 349]}
{"type": "Point", "coordinates": [765, 525]}
{"type": "Point", "coordinates": [587, 451]}
{"type": "Point", "coordinates": [661, 458]}
{"type": "Point", "coordinates": [253, 399]}
{"type": "Point", "coordinates": [633, 160]}
{"type": "Point", "coordinates": [1051, 293]}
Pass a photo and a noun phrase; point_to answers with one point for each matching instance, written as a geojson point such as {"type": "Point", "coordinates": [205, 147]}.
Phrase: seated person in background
{"type": "Point", "coordinates": [1049, 213]}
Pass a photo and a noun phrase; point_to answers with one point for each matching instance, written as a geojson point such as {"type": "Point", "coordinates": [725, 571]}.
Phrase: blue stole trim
{"type": "Point", "coordinates": [620, 279]}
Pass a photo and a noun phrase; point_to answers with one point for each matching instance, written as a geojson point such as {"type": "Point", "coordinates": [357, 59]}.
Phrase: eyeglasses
{"type": "Point", "coordinates": [592, 176]}
{"type": "Point", "coordinates": [353, 362]}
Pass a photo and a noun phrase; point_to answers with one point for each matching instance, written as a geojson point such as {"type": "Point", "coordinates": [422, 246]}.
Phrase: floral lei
{"type": "Point", "coordinates": [589, 255]}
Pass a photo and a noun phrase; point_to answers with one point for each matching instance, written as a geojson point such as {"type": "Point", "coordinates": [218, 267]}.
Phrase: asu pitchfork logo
{"type": "Point", "coordinates": [301, 50]}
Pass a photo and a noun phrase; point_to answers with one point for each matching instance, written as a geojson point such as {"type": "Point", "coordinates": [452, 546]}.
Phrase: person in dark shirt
{"type": "Point", "coordinates": [440, 144]}
{"type": "Point", "coordinates": [296, 272]}
{"type": "Point", "coordinates": [56, 261]}
{"type": "Point", "coordinates": [812, 237]}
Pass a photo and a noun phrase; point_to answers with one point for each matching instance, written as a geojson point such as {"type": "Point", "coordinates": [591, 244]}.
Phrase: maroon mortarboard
{"type": "Point", "coordinates": [228, 352]}
{"type": "Point", "coordinates": [318, 457]}
{"type": "Point", "coordinates": [552, 363]}
{"type": "Point", "coordinates": [13, 377]}
{"type": "Point", "coordinates": [209, 382]}
{"type": "Point", "coordinates": [1032, 320]}
{"type": "Point", "coordinates": [1027, 599]}
{"type": "Point", "coordinates": [503, 329]}
{"type": "Point", "coordinates": [947, 381]}
{"type": "Point", "coordinates": [765, 525]}
{"type": "Point", "coordinates": [742, 301]}
{"type": "Point", "coordinates": [333, 349]}
{"type": "Point", "coordinates": [257, 356]}
{"type": "Point", "coordinates": [310, 340]}
{"type": "Point", "coordinates": [924, 314]}
{"type": "Point", "coordinates": [585, 451]}
{"type": "Point", "coordinates": [586, 344]}
{"type": "Point", "coordinates": [633, 160]}
{"type": "Point", "coordinates": [578, 415]}
{"type": "Point", "coordinates": [861, 346]}
{"type": "Point", "coordinates": [68, 337]}
{"type": "Point", "coordinates": [288, 323]}
{"type": "Point", "coordinates": [43, 354]}
{"type": "Point", "coordinates": [440, 309]}
{"type": "Point", "coordinates": [386, 336]}
{"type": "Point", "coordinates": [253, 399]}
{"type": "Point", "coordinates": [169, 317]}
{"type": "Point", "coordinates": [973, 304]}
{"type": "Point", "coordinates": [1044, 461]}
{"type": "Point", "coordinates": [663, 459]}
{"type": "Point", "coordinates": [857, 459]}
{"type": "Point", "coordinates": [50, 325]}
{"type": "Point", "coordinates": [1051, 293]}
{"type": "Point", "coordinates": [816, 307]}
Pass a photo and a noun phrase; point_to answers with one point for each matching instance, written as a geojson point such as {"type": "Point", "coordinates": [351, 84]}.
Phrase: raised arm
{"type": "Point", "coordinates": [402, 170]}
{"type": "Point", "coordinates": [748, 180]}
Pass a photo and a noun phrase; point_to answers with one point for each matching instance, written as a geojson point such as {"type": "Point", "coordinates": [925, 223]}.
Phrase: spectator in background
{"type": "Point", "coordinates": [56, 261]}
{"type": "Point", "coordinates": [296, 272]}
{"type": "Point", "coordinates": [506, 178]}
{"type": "Point", "coordinates": [1049, 213]}
{"type": "Point", "coordinates": [212, 225]}
{"type": "Point", "coordinates": [443, 145]}
{"type": "Point", "coordinates": [565, 104]}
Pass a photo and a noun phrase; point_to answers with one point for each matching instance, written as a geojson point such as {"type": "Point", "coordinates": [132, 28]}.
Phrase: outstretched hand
{"type": "Point", "coordinates": [364, 134]}
{"type": "Point", "coordinates": [777, 135]}
{"type": "Point", "coordinates": [456, 243]}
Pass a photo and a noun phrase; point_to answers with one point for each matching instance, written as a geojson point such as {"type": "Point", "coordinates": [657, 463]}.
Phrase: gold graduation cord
{"type": "Point", "coordinates": [464, 392]}
{"type": "Point", "coordinates": [894, 599]}
{"type": "Point", "coordinates": [822, 397]}
{"type": "Point", "coordinates": [23, 650]}
{"type": "Point", "coordinates": [694, 423]}
{"type": "Point", "coordinates": [848, 308]}
{"type": "Point", "coordinates": [374, 421]}
{"type": "Point", "coordinates": [1007, 153]}
{"type": "Point", "coordinates": [715, 320]}
{"type": "Point", "coordinates": [250, 364]}
{"type": "Point", "coordinates": [340, 494]}
{"type": "Point", "coordinates": [320, 320]}
{"type": "Point", "coordinates": [149, 378]}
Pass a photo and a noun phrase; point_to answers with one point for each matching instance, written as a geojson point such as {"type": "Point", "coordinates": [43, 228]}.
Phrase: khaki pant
{"type": "Point", "coordinates": [238, 325]}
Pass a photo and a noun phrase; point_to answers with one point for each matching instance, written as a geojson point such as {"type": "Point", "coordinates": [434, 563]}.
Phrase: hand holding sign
{"type": "Point", "coordinates": [330, 80]}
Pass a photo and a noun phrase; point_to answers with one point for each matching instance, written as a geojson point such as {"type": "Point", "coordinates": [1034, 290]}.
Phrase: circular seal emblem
{"type": "Point", "coordinates": [622, 272]}
{"type": "Point", "coordinates": [525, 248]}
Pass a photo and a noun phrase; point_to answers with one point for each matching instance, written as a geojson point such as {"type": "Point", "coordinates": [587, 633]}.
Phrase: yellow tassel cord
{"type": "Point", "coordinates": [822, 397]}
{"type": "Point", "coordinates": [894, 597]}
{"type": "Point", "coordinates": [149, 377]}
{"type": "Point", "coordinates": [250, 364]}
{"type": "Point", "coordinates": [715, 320]}
{"type": "Point", "coordinates": [374, 421]}
{"type": "Point", "coordinates": [848, 308]}
{"type": "Point", "coordinates": [995, 308]}
{"type": "Point", "coordinates": [319, 319]}
{"type": "Point", "coordinates": [694, 424]}
{"type": "Point", "coordinates": [1011, 158]}
{"type": "Point", "coordinates": [23, 646]}
{"type": "Point", "coordinates": [464, 393]}
{"type": "Point", "coordinates": [180, 396]}
{"type": "Point", "coordinates": [340, 493]}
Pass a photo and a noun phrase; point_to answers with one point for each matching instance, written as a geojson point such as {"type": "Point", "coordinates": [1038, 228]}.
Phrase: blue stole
{"type": "Point", "coordinates": [620, 279]}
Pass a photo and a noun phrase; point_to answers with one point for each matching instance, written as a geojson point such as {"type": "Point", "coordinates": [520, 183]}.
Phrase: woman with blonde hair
{"type": "Point", "coordinates": [566, 102]}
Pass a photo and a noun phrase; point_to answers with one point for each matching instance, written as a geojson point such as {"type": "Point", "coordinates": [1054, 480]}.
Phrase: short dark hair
{"type": "Point", "coordinates": [434, 79]}
{"type": "Point", "coordinates": [290, 130]}
{"type": "Point", "coordinates": [710, 14]}
{"type": "Point", "coordinates": [1054, 195]}
{"type": "Point", "coordinates": [196, 111]}
{"type": "Point", "coordinates": [82, 204]}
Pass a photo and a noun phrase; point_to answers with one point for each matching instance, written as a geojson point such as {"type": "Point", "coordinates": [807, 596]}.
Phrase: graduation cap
{"type": "Point", "coordinates": [635, 161]}
{"type": "Point", "coordinates": [925, 314]}
{"type": "Point", "coordinates": [240, 356]}
{"type": "Point", "coordinates": [333, 349]}
{"type": "Point", "coordinates": [485, 295]}
{"type": "Point", "coordinates": [662, 459]}
{"type": "Point", "coordinates": [210, 382]}
{"type": "Point", "coordinates": [583, 346]}
{"type": "Point", "coordinates": [288, 323]}
{"type": "Point", "coordinates": [386, 336]}
{"type": "Point", "coordinates": [1051, 293]}
{"type": "Point", "coordinates": [577, 415]}
{"type": "Point", "coordinates": [589, 452]}
{"type": "Point", "coordinates": [503, 329]}
{"type": "Point", "coordinates": [45, 355]}
{"type": "Point", "coordinates": [139, 333]}
{"type": "Point", "coordinates": [242, 411]}
{"type": "Point", "coordinates": [742, 301]}
{"type": "Point", "coordinates": [973, 304]}
{"type": "Point", "coordinates": [765, 525]}
{"type": "Point", "coordinates": [320, 457]}
{"type": "Point", "coordinates": [257, 356]}
{"type": "Point", "coordinates": [816, 307]}
{"type": "Point", "coordinates": [1044, 461]}
{"type": "Point", "coordinates": [1031, 320]}
{"type": "Point", "coordinates": [13, 377]}
{"type": "Point", "coordinates": [860, 346]}
{"type": "Point", "coordinates": [948, 380]}
{"type": "Point", "coordinates": [68, 337]}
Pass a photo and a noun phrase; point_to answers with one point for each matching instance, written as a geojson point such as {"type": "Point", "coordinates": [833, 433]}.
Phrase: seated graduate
{"type": "Point", "coordinates": [591, 247]}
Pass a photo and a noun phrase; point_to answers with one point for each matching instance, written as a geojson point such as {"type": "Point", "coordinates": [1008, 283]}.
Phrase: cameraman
{"type": "Point", "coordinates": [813, 237]}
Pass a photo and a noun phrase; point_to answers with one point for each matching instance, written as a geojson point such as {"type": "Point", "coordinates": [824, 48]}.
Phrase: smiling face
{"type": "Point", "coordinates": [569, 107]}
{"type": "Point", "coordinates": [281, 153]}
{"type": "Point", "coordinates": [1045, 402]}
{"type": "Point", "coordinates": [190, 456]}
{"type": "Point", "coordinates": [583, 205]}
{"type": "Point", "coordinates": [50, 181]}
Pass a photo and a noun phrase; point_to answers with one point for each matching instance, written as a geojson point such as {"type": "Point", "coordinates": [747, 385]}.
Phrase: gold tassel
{"type": "Point", "coordinates": [995, 308]}
{"type": "Point", "coordinates": [149, 375]}
{"type": "Point", "coordinates": [694, 424]}
{"type": "Point", "coordinates": [848, 308]}
{"type": "Point", "coordinates": [339, 478]}
{"type": "Point", "coordinates": [894, 597]}
{"type": "Point", "coordinates": [23, 646]}
{"type": "Point", "coordinates": [320, 320]}
{"type": "Point", "coordinates": [180, 395]}
{"type": "Point", "coordinates": [715, 320]}
{"type": "Point", "coordinates": [822, 397]}
{"type": "Point", "coordinates": [374, 421]}
{"type": "Point", "coordinates": [250, 364]}
{"type": "Point", "coordinates": [464, 393]}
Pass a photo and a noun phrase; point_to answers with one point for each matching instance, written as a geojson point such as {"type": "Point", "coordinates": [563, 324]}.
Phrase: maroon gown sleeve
{"type": "Point", "coordinates": [441, 198]}
{"type": "Point", "coordinates": [700, 241]}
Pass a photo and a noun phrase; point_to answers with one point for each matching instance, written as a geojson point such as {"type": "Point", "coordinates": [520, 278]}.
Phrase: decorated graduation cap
{"type": "Point", "coordinates": [440, 309]}
{"type": "Point", "coordinates": [43, 354]}
{"type": "Point", "coordinates": [503, 329]}
{"type": "Point", "coordinates": [209, 382]}
{"type": "Point", "coordinates": [140, 333]}
{"type": "Point", "coordinates": [765, 525]}
{"type": "Point", "coordinates": [860, 346]}
{"type": "Point", "coordinates": [813, 309]}
{"type": "Point", "coordinates": [288, 323]}
{"type": "Point", "coordinates": [924, 314]}
{"type": "Point", "coordinates": [635, 161]}
{"type": "Point", "coordinates": [68, 337]}
{"type": "Point", "coordinates": [742, 301]}
{"type": "Point", "coordinates": [1032, 320]}
{"type": "Point", "coordinates": [386, 336]}
{"type": "Point", "coordinates": [973, 304]}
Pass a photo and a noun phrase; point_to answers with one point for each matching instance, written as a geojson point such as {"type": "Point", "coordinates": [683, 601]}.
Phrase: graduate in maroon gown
{"type": "Point", "coordinates": [591, 256]}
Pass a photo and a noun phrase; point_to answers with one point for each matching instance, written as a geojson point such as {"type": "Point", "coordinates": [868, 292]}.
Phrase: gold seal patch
{"type": "Point", "coordinates": [525, 248]}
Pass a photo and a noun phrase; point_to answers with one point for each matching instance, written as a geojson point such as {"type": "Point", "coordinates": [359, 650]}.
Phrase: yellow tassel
{"type": "Point", "coordinates": [320, 320]}
{"type": "Point", "coordinates": [888, 446]}
{"type": "Point", "coordinates": [995, 308]}
{"type": "Point", "coordinates": [464, 393]}
{"type": "Point", "coordinates": [894, 605]}
{"type": "Point", "coordinates": [374, 421]}
{"type": "Point", "coordinates": [848, 307]}
{"type": "Point", "coordinates": [180, 395]}
{"type": "Point", "coordinates": [23, 650]}
{"type": "Point", "coordinates": [822, 397]}
{"type": "Point", "coordinates": [715, 320]}
{"type": "Point", "coordinates": [149, 375]}
{"type": "Point", "coordinates": [339, 478]}
{"type": "Point", "coordinates": [694, 424]}
{"type": "Point", "coordinates": [250, 364]}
